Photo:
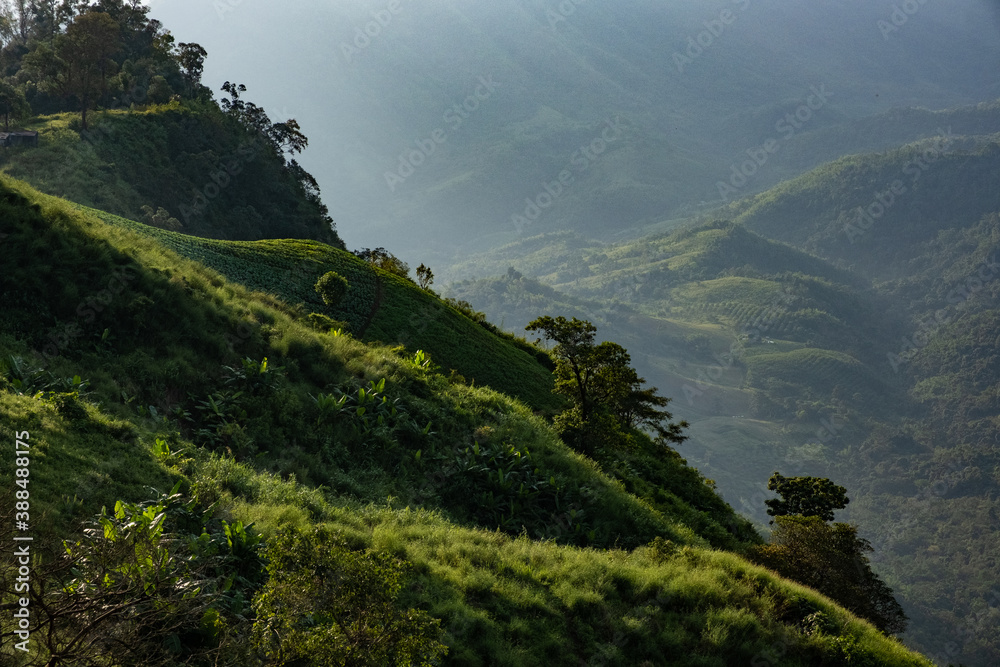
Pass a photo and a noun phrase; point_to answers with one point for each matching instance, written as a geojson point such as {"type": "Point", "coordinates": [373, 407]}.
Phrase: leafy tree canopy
{"type": "Point", "coordinates": [13, 105]}
{"type": "Point", "coordinates": [85, 52]}
{"type": "Point", "coordinates": [602, 384]}
{"type": "Point", "coordinates": [805, 496]}
{"type": "Point", "coordinates": [332, 287]}
{"type": "Point", "coordinates": [384, 259]}
{"type": "Point", "coordinates": [832, 560]}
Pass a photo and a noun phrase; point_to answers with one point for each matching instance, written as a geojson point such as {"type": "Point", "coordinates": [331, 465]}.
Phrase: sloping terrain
{"type": "Point", "coordinates": [870, 362]}
{"type": "Point", "coordinates": [379, 306]}
{"type": "Point", "coordinates": [150, 333]}
{"type": "Point", "coordinates": [212, 177]}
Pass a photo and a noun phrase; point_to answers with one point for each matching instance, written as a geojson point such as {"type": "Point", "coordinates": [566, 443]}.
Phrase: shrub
{"type": "Point", "coordinates": [332, 287]}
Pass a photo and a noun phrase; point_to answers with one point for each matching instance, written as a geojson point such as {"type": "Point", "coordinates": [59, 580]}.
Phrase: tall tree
{"type": "Point", "coordinates": [191, 58]}
{"type": "Point", "coordinates": [13, 106]}
{"type": "Point", "coordinates": [424, 276]}
{"type": "Point", "coordinates": [607, 393]}
{"type": "Point", "coordinates": [832, 560]}
{"type": "Point", "coordinates": [86, 51]}
{"type": "Point", "coordinates": [384, 259]}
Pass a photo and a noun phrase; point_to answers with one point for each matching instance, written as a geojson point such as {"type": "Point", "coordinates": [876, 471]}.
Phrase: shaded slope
{"type": "Point", "coordinates": [215, 178]}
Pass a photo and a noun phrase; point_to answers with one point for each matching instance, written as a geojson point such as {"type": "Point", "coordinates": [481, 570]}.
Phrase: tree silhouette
{"type": "Point", "coordinates": [805, 496]}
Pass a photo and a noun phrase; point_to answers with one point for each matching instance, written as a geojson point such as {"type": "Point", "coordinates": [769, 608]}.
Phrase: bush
{"type": "Point", "coordinates": [325, 324]}
{"type": "Point", "coordinates": [332, 287]}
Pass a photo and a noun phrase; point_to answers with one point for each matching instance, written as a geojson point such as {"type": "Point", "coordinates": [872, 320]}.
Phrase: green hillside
{"type": "Point", "coordinates": [874, 212]}
{"type": "Point", "coordinates": [379, 306]}
{"type": "Point", "coordinates": [164, 398]}
{"type": "Point", "coordinates": [212, 176]}
{"type": "Point", "coordinates": [873, 362]}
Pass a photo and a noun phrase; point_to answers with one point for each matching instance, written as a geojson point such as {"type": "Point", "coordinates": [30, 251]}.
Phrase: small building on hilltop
{"type": "Point", "coordinates": [19, 138]}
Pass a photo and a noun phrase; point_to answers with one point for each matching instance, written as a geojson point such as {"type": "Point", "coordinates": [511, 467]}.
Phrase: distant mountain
{"type": "Point", "coordinates": [877, 212]}
{"type": "Point", "coordinates": [438, 125]}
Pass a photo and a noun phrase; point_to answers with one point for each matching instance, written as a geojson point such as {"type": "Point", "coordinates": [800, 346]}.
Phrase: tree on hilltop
{"type": "Point", "coordinates": [805, 496]}
{"type": "Point", "coordinates": [384, 259]}
{"type": "Point", "coordinates": [85, 63]}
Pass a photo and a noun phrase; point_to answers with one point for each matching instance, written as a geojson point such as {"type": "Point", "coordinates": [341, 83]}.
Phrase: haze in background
{"type": "Point", "coordinates": [641, 107]}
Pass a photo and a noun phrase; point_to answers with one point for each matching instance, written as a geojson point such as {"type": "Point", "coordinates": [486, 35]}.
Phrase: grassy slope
{"type": "Point", "coordinates": [378, 306]}
{"type": "Point", "coordinates": [166, 333]}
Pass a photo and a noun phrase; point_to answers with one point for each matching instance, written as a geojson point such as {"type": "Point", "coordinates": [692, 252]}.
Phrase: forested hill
{"type": "Point", "coordinates": [126, 125]}
{"type": "Point", "coordinates": [876, 213]}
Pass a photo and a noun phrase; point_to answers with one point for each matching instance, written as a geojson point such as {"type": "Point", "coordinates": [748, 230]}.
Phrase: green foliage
{"type": "Point", "coordinates": [424, 276]}
{"type": "Point", "coordinates": [481, 583]}
{"type": "Point", "coordinates": [328, 605]}
{"type": "Point", "coordinates": [153, 583]}
{"type": "Point", "coordinates": [607, 393]}
{"type": "Point", "coordinates": [121, 164]}
{"type": "Point", "coordinates": [332, 287]}
{"type": "Point", "coordinates": [831, 559]}
{"type": "Point", "coordinates": [805, 496]}
{"type": "Point", "coordinates": [466, 309]}
{"type": "Point", "coordinates": [385, 260]}
{"type": "Point", "coordinates": [13, 105]}
{"type": "Point", "coordinates": [161, 218]}
{"type": "Point", "coordinates": [324, 324]}
{"type": "Point", "coordinates": [378, 306]}
{"type": "Point", "coordinates": [85, 50]}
